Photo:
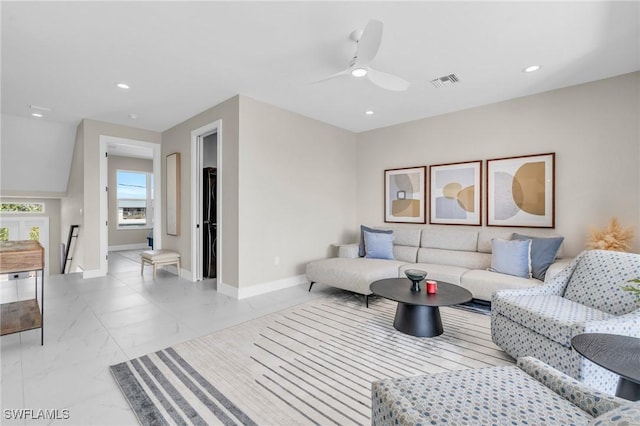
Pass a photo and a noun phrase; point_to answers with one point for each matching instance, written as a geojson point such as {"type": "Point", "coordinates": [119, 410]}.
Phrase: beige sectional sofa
{"type": "Point", "coordinates": [457, 256]}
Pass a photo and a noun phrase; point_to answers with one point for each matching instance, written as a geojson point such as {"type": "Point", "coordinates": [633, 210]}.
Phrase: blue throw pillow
{"type": "Point", "coordinates": [543, 253]}
{"type": "Point", "coordinates": [378, 245]}
{"type": "Point", "coordinates": [512, 257]}
{"type": "Point", "coordinates": [361, 251]}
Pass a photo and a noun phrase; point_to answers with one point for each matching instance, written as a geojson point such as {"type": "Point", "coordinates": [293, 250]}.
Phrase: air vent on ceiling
{"type": "Point", "coordinates": [446, 80]}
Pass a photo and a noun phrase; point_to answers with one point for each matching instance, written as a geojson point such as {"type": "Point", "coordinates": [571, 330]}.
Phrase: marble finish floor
{"type": "Point", "coordinates": [92, 324]}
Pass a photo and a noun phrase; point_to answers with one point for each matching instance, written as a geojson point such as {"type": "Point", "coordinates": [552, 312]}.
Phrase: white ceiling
{"type": "Point", "coordinates": [181, 58]}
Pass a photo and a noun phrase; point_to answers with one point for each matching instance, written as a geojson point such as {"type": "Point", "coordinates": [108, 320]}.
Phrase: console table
{"type": "Point", "coordinates": [17, 257]}
{"type": "Point", "coordinates": [618, 354]}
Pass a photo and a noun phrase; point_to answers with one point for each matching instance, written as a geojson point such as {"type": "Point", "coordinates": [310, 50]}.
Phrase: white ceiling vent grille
{"type": "Point", "coordinates": [445, 81]}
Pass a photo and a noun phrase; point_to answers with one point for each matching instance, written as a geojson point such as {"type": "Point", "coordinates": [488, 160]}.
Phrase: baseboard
{"type": "Point", "coordinates": [262, 288]}
{"type": "Point", "coordinates": [137, 246]}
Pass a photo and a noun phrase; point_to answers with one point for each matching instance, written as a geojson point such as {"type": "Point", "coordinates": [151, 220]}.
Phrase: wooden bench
{"type": "Point", "coordinates": [159, 257]}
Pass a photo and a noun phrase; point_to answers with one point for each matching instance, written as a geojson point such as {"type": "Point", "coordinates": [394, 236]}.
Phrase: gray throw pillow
{"type": "Point", "coordinates": [362, 252]}
{"type": "Point", "coordinates": [511, 257]}
{"type": "Point", "coordinates": [543, 253]}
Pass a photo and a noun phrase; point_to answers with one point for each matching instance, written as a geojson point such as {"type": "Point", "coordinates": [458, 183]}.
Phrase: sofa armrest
{"type": "Point", "coordinates": [348, 251]}
{"type": "Point", "coordinates": [390, 406]}
{"type": "Point", "coordinates": [555, 286]}
{"type": "Point", "coordinates": [626, 325]}
{"type": "Point", "coordinates": [587, 399]}
{"type": "Point", "coordinates": [555, 268]}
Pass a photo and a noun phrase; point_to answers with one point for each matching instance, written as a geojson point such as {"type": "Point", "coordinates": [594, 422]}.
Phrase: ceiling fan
{"type": "Point", "coordinates": [368, 42]}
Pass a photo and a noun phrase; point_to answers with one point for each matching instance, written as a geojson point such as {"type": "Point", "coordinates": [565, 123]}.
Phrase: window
{"type": "Point", "coordinates": [134, 199]}
{"type": "Point", "coordinates": [22, 207]}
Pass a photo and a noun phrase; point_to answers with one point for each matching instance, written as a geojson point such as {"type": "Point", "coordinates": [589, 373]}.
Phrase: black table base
{"type": "Point", "coordinates": [418, 320]}
{"type": "Point", "coordinates": [628, 390]}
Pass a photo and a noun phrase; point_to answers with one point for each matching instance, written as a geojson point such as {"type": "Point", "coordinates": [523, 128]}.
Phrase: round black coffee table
{"type": "Point", "coordinates": [618, 354]}
{"type": "Point", "coordinates": [418, 313]}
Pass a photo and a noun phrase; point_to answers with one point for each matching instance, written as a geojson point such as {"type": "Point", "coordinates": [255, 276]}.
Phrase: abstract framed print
{"type": "Point", "coordinates": [520, 191]}
{"type": "Point", "coordinates": [455, 191]}
{"type": "Point", "coordinates": [404, 195]}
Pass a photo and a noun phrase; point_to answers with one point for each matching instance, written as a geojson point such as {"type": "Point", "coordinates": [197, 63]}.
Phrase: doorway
{"type": "Point", "coordinates": [110, 145]}
{"type": "Point", "coordinates": [206, 173]}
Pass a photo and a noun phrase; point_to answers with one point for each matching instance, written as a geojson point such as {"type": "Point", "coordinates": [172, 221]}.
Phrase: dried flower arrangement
{"type": "Point", "coordinates": [614, 237]}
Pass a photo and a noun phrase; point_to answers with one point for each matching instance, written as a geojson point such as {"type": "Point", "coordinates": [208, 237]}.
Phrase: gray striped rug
{"type": "Point", "coordinates": [309, 364]}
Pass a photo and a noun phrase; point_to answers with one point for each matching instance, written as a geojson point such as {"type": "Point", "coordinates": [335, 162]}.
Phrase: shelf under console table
{"type": "Point", "coordinates": [18, 257]}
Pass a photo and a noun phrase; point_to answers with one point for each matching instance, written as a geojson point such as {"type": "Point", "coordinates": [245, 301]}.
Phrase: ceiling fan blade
{"type": "Point", "coordinates": [338, 74]}
{"type": "Point", "coordinates": [387, 81]}
{"type": "Point", "coordinates": [369, 42]}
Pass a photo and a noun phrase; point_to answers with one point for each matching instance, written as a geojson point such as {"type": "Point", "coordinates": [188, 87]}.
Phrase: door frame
{"type": "Point", "coordinates": [197, 141]}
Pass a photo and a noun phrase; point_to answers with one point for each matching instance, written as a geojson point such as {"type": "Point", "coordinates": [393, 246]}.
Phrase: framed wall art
{"type": "Point", "coordinates": [404, 195]}
{"type": "Point", "coordinates": [520, 191]}
{"type": "Point", "coordinates": [455, 191]}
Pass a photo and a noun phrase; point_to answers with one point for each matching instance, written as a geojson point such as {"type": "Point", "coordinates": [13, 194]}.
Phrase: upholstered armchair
{"type": "Point", "coordinates": [585, 297]}
{"type": "Point", "coordinates": [529, 393]}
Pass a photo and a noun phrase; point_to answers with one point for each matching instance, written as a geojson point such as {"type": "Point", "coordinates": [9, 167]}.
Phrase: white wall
{"type": "Point", "coordinates": [297, 191]}
{"type": "Point", "coordinates": [593, 128]}
{"type": "Point", "coordinates": [82, 204]}
{"type": "Point", "coordinates": [23, 172]}
{"type": "Point", "coordinates": [178, 139]}
{"type": "Point", "coordinates": [124, 237]}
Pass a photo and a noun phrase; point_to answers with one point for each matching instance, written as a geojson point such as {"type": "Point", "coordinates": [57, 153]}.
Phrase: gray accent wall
{"type": "Point", "coordinates": [593, 128]}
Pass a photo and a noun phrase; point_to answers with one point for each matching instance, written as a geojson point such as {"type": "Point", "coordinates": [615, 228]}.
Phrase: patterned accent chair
{"type": "Point", "coordinates": [585, 297]}
{"type": "Point", "coordinates": [531, 393]}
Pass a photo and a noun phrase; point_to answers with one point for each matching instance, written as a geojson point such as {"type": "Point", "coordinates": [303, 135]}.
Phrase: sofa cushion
{"type": "Point", "coordinates": [463, 259]}
{"type": "Point", "coordinates": [552, 316]}
{"type": "Point", "coordinates": [352, 274]}
{"type": "Point", "coordinates": [446, 273]}
{"type": "Point", "coordinates": [378, 245]}
{"type": "Point", "coordinates": [449, 239]}
{"type": "Point", "coordinates": [543, 252]}
{"type": "Point", "coordinates": [511, 257]}
{"type": "Point", "coordinates": [362, 251]}
{"type": "Point", "coordinates": [597, 279]}
{"type": "Point", "coordinates": [485, 238]}
{"type": "Point", "coordinates": [482, 283]}
{"type": "Point", "coordinates": [405, 253]}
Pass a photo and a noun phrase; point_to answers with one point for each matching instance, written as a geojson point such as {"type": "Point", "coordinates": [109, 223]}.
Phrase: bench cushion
{"type": "Point", "coordinates": [160, 255]}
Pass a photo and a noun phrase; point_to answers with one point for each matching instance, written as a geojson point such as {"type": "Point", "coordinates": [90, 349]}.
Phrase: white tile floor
{"type": "Point", "coordinates": [92, 324]}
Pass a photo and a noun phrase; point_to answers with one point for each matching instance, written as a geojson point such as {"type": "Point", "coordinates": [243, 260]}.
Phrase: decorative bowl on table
{"type": "Point", "coordinates": [415, 276]}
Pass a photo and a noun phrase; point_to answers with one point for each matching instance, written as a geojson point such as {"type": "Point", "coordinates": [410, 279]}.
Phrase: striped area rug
{"type": "Point", "coordinates": [309, 364]}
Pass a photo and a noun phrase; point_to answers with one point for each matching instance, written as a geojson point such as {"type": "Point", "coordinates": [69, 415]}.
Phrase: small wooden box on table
{"type": "Point", "coordinates": [16, 257]}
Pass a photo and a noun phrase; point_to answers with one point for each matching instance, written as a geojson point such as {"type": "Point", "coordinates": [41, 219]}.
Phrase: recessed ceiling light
{"type": "Point", "coordinates": [358, 72]}
{"type": "Point", "coordinates": [133, 116]}
{"type": "Point", "coordinates": [36, 114]}
{"type": "Point", "coordinates": [39, 108]}
{"type": "Point", "coordinates": [532, 68]}
{"type": "Point", "coordinates": [369, 112]}
{"type": "Point", "coordinates": [122, 85]}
